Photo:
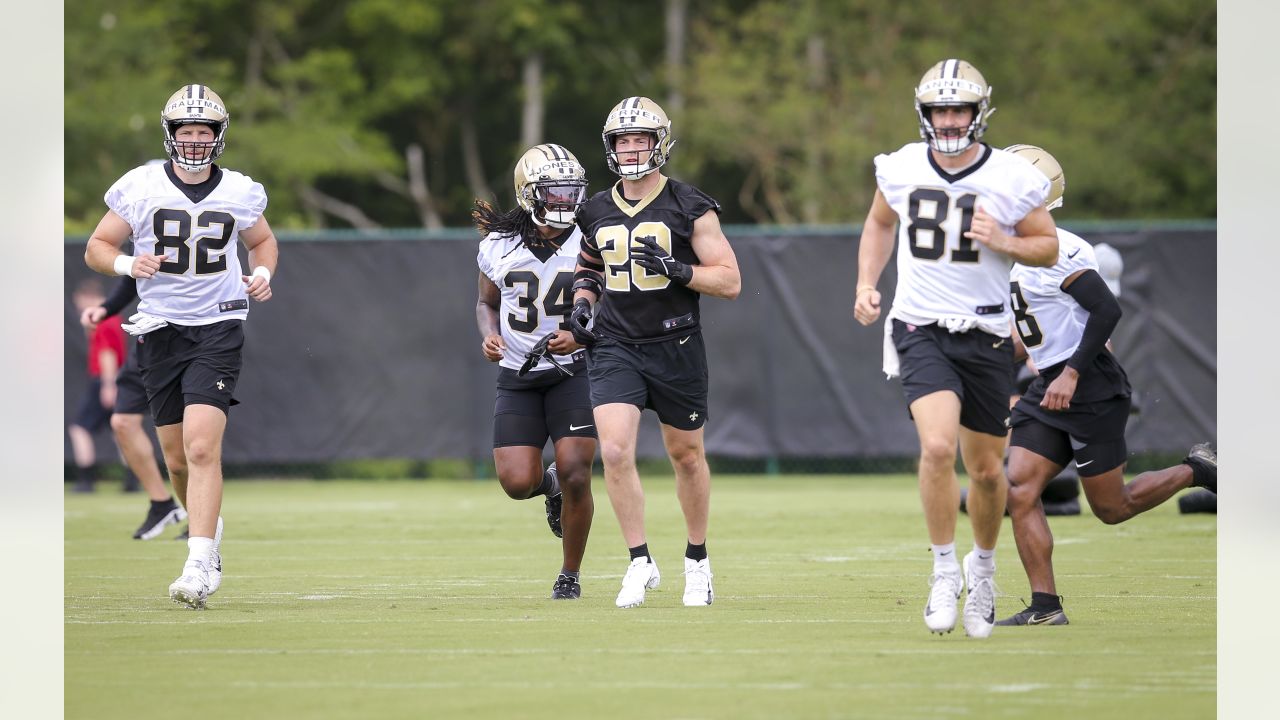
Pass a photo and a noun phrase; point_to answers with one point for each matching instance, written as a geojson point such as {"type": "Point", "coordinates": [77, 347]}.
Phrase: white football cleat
{"type": "Point", "coordinates": [980, 603]}
{"type": "Point", "coordinates": [215, 560]}
{"type": "Point", "coordinates": [192, 587]}
{"type": "Point", "coordinates": [697, 582]}
{"type": "Point", "coordinates": [642, 574]}
{"type": "Point", "coordinates": [940, 610]}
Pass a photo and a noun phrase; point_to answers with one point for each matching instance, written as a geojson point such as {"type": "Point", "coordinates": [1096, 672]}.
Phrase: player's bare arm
{"type": "Point", "coordinates": [103, 250]}
{"type": "Point", "coordinates": [874, 249]}
{"type": "Point", "coordinates": [717, 274]}
{"type": "Point", "coordinates": [264, 253]}
{"type": "Point", "coordinates": [488, 300]}
{"type": "Point", "coordinates": [1036, 241]}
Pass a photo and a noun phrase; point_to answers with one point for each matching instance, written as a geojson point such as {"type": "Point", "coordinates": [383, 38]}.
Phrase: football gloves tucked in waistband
{"type": "Point", "coordinates": [536, 354]}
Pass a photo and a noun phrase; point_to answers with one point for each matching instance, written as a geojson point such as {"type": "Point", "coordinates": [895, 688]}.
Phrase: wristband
{"type": "Point", "coordinates": [262, 272]}
{"type": "Point", "coordinates": [123, 265]}
{"type": "Point", "coordinates": [862, 288]}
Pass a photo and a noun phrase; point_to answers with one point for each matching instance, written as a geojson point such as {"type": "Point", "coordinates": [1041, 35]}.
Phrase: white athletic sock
{"type": "Point", "coordinates": [199, 549]}
{"type": "Point", "coordinates": [944, 559]}
{"type": "Point", "coordinates": [984, 561]}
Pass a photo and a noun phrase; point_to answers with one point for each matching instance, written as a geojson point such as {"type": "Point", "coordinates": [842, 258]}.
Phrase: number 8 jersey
{"type": "Point", "coordinates": [941, 273]}
{"type": "Point", "coordinates": [196, 228]}
{"type": "Point", "coordinates": [537, 291]}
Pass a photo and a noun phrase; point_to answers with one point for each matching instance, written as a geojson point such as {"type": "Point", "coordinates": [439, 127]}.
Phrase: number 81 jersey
{"type": "Point", "coordinates": [537, 291]}
{"type": "Point", "coordinates": [941, 273]}
{"type": "Point", "coordinates": [196, 228]}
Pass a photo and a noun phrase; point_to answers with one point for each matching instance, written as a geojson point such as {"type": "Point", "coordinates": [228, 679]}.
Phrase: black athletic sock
{"type": "Point", "coordinates": [569, 573]}
{"type": "Point", "coordinates": [1199, 474]}
{"type": "Point", "coordinates": [1046, 601]}
{"type": "Point", "coordinates": [166, 503]}
{"type": "Point", "coordinates": [696, 552]}
{"type": "Point", "coordinates": [641, 550]}
{"type": "Point", "coordinates": [550, 486]}
{"type": "Point", "coordinates": [87, 474]}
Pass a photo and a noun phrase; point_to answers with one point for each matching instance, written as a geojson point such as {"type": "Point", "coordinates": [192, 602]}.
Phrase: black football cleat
{"type": "Point", "coordinates": [160, 516]}
{"type": "Point", "coordinates": [566, 588]}
{"type": "Point", "coordinates": [1204, 463]}
{"type": "Point", "coordinates": [1034, 616]}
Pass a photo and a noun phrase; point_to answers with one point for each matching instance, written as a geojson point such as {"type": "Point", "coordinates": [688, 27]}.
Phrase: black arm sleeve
{"type": "Point", "coordinates": [1091, 291]}
{"type": "Point", "coordinates": [123, 294]}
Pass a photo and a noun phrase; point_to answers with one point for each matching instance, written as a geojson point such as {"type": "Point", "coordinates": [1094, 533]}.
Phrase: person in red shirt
{"type": "Point", "coordinates": [106, 355]}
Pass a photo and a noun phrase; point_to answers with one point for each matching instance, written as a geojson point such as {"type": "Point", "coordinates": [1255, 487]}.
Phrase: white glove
{"type": "Point", "coordinates": [890, 368]}
{"type": "Point", "coordinates": [142, 323]}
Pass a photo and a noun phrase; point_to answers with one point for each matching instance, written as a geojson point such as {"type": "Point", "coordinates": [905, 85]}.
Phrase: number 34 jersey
{"type": "Point", "coordinates": [196, 228]}
{"type": "Point", "coordinates": [537, 291]}
{"type": "Point", "coordinates": [941, 273]}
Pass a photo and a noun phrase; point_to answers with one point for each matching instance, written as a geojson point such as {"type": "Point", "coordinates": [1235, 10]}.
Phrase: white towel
{"type": "Point", "coordinates": [890, 367]}
{"type": "Point", "coordinates": [142, 323]}
{"type": "Point", "coordinates": [958, 324]}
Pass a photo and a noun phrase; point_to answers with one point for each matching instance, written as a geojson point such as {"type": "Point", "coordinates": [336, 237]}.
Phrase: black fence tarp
{"type": "Point", "coordinates": [369, 350]}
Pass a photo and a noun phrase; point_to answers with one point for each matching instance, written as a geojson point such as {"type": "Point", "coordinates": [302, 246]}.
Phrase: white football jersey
{"type": "Point", "coordinates": [199, 281]}
{"type": "Point", "coordinates": [1050, 321]}
{"type": "Point", "coordinates": [537, 296]}
{"type": "Point", "coordinates": [941, 273]}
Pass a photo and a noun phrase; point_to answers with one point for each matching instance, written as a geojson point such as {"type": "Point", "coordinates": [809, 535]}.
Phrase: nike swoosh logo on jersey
{"type": "Point", "coordinates": [684, 340]}
{"type": "Point", "coordinates": [575, 428]}
{"type": "Point", "coordinates": [1073, 253]}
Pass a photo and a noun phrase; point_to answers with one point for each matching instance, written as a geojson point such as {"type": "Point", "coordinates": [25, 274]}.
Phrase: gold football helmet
{"type": "Point", "coordinates": [550, 185]}
{"type": "Point", "coordinates": [1046, 164]}
{"type": "Point", "coordinates": [638, 115]}
{"type": "Point", "coordinates": [194, 104]}
{"type": "Point", "coordinates": [953, 82]}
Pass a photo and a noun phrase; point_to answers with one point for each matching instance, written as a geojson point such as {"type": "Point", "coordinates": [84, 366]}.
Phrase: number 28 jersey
{"type": "Point", "coordinates": [196, 228]}
{"type": "Point", "coordinates": [640, 306]}
{"type": "Point", "coordinates": [537, 292]}
{"type": "Point", "coordinates": [941, 273]}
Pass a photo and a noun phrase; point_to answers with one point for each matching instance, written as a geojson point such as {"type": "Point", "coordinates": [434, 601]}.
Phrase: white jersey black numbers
{"type": "Point", "coordinates": [1050, 321]}
{"type": "Point", "coordinates": [196, 228]}
{"type": "Point", "coordinates": [537, 293]}
{"type": "Point", "coordinates": [941, 273]}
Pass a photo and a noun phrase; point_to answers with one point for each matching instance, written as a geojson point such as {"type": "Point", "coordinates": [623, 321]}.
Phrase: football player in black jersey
{"type": "Point", "coordinates": [651, 247]}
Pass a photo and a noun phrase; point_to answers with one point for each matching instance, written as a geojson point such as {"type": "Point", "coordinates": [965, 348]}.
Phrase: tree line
{"type": "Point", "coordinates": [400, 113]}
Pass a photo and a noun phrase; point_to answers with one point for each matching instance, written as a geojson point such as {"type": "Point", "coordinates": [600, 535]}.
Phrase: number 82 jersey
{"type": "Point", "coordinates": [196, 228]}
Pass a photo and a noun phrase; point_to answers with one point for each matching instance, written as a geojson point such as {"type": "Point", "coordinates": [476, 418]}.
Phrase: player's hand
{"type": "Point", "coordinates": [145, 266]}
{"type": "Point", "coordinates": [1058, 396]}
{"type": "Point", "coordinates": [580, 323]}
{"type": "Point", "coordinates": [107, 396]}
{"type": "Point", "coordinates": [986, 230]}
{"type": "Point", "coordinates": [259, 287]}
{"type": "Point", "coordinates": [652, 257]}
{"type": "Point", "coordinates": [493, 347]}
{"type": "Point", "coordinates": [563, 343]}
{"type": "Point", "coordinates": [866, 307]}
{"type": "Point", "coordinates": [92, 316]}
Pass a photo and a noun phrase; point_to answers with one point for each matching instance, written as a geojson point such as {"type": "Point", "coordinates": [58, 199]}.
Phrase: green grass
{"type": "Point", "coordinates": [429, 599]}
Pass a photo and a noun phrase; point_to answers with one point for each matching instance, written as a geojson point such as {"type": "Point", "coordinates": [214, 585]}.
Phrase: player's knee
{"type": "Point", "coordinates": [617, 455]}
{"type": "Point", "coordinates": [575, 481]}
{"type": "Point", "coordinates": [201, 452]}
{"type": "Point", "coordinates": [124, 425]}
{"type": "Point", "coordinates": [987, 477]}
{"type": "Point", "coordinates": [937, 452]}
{"type": "Point", "coordinates": [687, 460]}
{"type": "Point", "coordinates": [1109, 514]}
{"type": "Point", "coordinates": [518, 488]}
{"type": "Point", "coordinates": [1022, 498]}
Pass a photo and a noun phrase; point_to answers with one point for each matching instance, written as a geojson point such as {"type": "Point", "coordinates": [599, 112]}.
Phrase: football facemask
{"type": "Point", "coordinates": [637, 115]}
{"type": "Point", "coordinates": [550, 185]}
{"type": "Point", "coordinates": [194, 104]}
{"type": "Point", "coordinates": [950, 83]}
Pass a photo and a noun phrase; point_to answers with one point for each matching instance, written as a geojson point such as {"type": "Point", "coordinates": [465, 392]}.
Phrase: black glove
{"type": "Point", "coordinates": [536, 353]}
{"type": "Point", "coordinates": [653, 258]}
{"type": "Point", "coordinates": [580, 323]}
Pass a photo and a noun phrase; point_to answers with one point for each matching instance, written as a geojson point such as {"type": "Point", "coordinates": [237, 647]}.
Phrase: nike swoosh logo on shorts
{"type": "Point", "coordinates": [684, 340]}
{"type": "Point", "coordinates": [575, 428]}
{"type": "Point", "coordinates": [1082, 464]}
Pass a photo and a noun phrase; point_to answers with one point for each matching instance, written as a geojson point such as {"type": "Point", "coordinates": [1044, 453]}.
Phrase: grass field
{"type": "Point", "coordinates": [429, 600]}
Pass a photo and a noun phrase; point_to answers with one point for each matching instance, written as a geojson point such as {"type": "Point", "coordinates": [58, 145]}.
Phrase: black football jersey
{"type": "Point", "coordinates": [638, 305]}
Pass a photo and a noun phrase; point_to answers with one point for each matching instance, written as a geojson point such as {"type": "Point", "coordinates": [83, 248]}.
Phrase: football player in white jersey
{"type": "Point", "coordinates": [527, 262]}
{"type": "Point", "coordinates": [966, 211]}
{"type": "Point", "coordinates": [186, 217]}
{"type": "Point", "coordinates": [1076, 408]}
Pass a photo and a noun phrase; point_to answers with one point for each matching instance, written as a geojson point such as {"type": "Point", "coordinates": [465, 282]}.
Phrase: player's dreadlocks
{"type": "Point", "coordinates": [515, 222]}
